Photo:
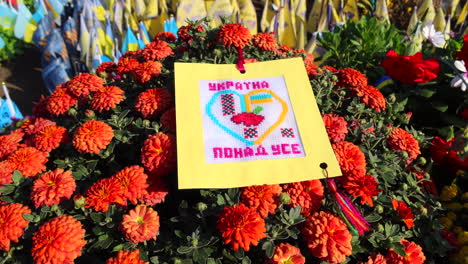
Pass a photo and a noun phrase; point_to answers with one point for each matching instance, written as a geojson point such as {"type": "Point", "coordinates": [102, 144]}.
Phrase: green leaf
{"type": "Point", "coordinates": [373, 218]}
{"type": "Point", "coordinates": [28, 217]}
{"type": "Point", "coordinates": [17, 176]}
{"type": "Point", "coordinates": [155, 260]}
{"type": "Point", "coordinates": [439, 106]}
{"type": "Point", "coordinates": [269, 248]}
{"type": "Point", "coordinates": [399, 249]}
{"type": "Point", "coordinates": [184, 250]}
{"type": "Point", "coordinates": [7, 189]}
{"type": "Point", "coordinates": [257, 110]}
{"type": "Point", "coordinates": [425, 92]}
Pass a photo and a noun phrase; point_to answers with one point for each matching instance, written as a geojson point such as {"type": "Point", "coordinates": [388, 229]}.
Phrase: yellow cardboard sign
{"type": "Point", "coordinates": [261, 127]}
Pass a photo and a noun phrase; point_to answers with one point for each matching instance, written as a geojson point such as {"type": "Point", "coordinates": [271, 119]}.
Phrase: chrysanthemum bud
{"type": "Point", "coordinates": [201, 206]}
{"type": "Point", "coordinates": [379, 209]}
{"type": "Point", "coordinates": [285, 198]}
{"type": "Point", "coordinates": [80, 201]}
{"type": "Point", "coordinates": [422, 161]}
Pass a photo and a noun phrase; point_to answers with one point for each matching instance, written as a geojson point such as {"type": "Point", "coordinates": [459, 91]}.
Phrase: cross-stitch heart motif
{"type": "Point", "coordinates": [250, 117]}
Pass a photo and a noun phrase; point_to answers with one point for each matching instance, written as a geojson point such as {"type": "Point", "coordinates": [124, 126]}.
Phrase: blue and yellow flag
{"type": "Point", "coordinates": [109, 40]}
{"type": "Point", "coordinates": [85, 39]}
{"type": "Point", "coordinates": [170, 25]}
{"type": "Point", "coordinates": [7, 16]}
{"type": "Point", "coordinates": [130, 42]}
{"type": "Point", "coordinates": [41, 11]}
{"type": "Point", "coordinates": [247, 15]}
{"type": "Point", "coordinates": [70, 35]}
{"type": "Point", "coordinates": [22, 20]}
{"type": "Point", "coordinates": [191, 9]}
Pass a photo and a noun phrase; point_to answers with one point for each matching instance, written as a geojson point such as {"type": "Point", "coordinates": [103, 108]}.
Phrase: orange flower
{"type": "Point", "coordinates": [103, 193]}
{"type": "Point", "coordinates": [140, 224]}
{"type": "Point", "coordinates": [327, 237]}
{"type": "Point", "coordinates": [250, 60]}
{"type": "Point", "coordinates": [146, 71]}
{"type": "Point", "coordinates": [371, 97]}
{"type": "Point", "coordinates": [234, 35]}
{"type": "Point", "coordinates": [400, 140]}
{"type": "Point", "coordinates": [311, 68]}
{"type": "Point", "coordinates": [183, 32]}
{"type": "Point", "coordinates": [351, 159]}
{"type": "Point", "coordinates": [404, 212]}
{"type": "Point", "coordinates": [351, 78]}
{"type": "Point", "coordinates": [156, 50]}
{"type": "Point", "coordinates": [9, 143]}
{"type": "Point", "coordinates": [262, 198]}
{"type": "Point", "coordinates": [31, 126]}
{"type": "Point", "coordinates": [50, 137]}
{"type": "Point", "coordinates": [106, 98]}
{"type": "Point", "coordinates": [106, 68]}
{"type": "Point", "coordinates": [127, 257]}
{"type": "Point", "coordinates": [40, 108]}
{"type": "Point", "coordinates": [156, 192]}
{"type": "Point", "coordinates": [364, 187]}
{"type": "Point", "coordinates": [133, 182]}
{"type": "Point", "coordinates": [53, 188]}
{"type": "Point", "coordinates": [158, 154]}
{"type": "Point", "coordinates": [375, 259]}
{"type": "Point", "coordinates": [241, 226]}
{"type": "Point", "coordinates": [12, 223]}
{"type": "Point", "coordinates": [92, 137]}
{"type": "Point", "coordinates": [84, 83]}
{"type": "Point", "coordinates": [168, 120]}
{"type": "Point", "coordinates": [336, 126]}
{"type": "Point", "coordinates": [153, 102]}
{"type": "Point", "coordinates": [265, 41]}
{"type": "Point", "coordinates": [307, 194]}
{"type": "Point", "coordinates": [284, 49]}
{"type": "Point", "coordinates": [29, 161]}
{"type": "Point", "coordinates": [166, 36]}
{"type": "Point", "coordinates": [126, 65]}
{"type": "Point", "coordinates": [60, 101]}
{"type": "Point", "coordinates": [58, 240]}
{"type": "Point", "coordinates": [287, 254]}
{"type": "Point", "coordinates": [414, 254]}
{"type": "Point", "coordinates": [6, 172]}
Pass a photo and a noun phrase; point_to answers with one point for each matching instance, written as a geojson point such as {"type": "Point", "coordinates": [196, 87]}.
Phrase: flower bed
{"type": "Point", "coordinates": [91, 178]}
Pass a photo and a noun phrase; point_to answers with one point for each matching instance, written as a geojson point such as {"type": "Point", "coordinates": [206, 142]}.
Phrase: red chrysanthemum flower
{"type": "Point", "coordinates": [12, 223]}
{"type": "Point", "coordinates": [404, 212]}
{"type": "Point", "coordinates": [183, 32]}
{"type": "Point", "coordinates": [106, 98]}
{"type": "Point", "coordinates": [364, 187]}
{"type": "Point", "coordinates": [250, 61]}
{"type": "Point", "coordinates": [234, 35]}
{"type": "Point", "coordinates": [158, 154]}
{"type": "Point", "coordinates": [6, 173]}
{"type": "Point", "coordinates": [168, 120]}
{"type": "Point", "coordinates": [241, 226]}
{"type": "Point", "coordinates": [265, 41]}
{"type": "Point", "coordinates": [327, 237]}
{"type": "Point", "coordinates": [414, 254]}
{"type": "Point", "coordinates": [311, 68]}
{"type": "Point", "coordinates": [9, 143]}
{"type": "Point", "coordinates": [106, 68]}
{"type": "Point", "coordinates": [153, 102]}
{"type": "Point", "coordinates": [336, 126]}
{"type": "Point", "coordinates": [307, 194]}
{"type": "Point", "coordinates": [371, 97]}
{"type": "Point", "coordinates": [29, 161]}
{"type": "Point", "coordinates": [84, 83]}
{"type": "Point", "coordinates": [58, 240]}
{"type": "Point", "coordinates": [330, 68]}
{"type": "Point", "coordinates": [103, 193]}
{"type": "Point", "coordinates": [40, 108]}
{"type": "Point", "coordinates": [53, 188]}
{"type": "Point", "coordinates": [133, 182]}
{"type": "Point", "coordinates": [127, 257]}
{"type": "Point", "coordinates": [140, 224]}
{"type": "Point", "coordinates": [92, 137]}
{"type": "Point", "coordinates": [32, 126]}
{"type": "Point", "coordinates": [156, 50]}
{"type": "Point", "coordinates": [375, 259]}
{"type": "Point", "coordinates": [351, 159]}
{"type": "Point", "coordinates": [146, 71]}
{"type": "Point", "coordinates": [60, 101]}
{"type": "Point", "coordinates": [127, 65]}
{"type": "Point", "coordinates": [166, 36]}
{"type": "Point", "coordinates": [351, 78]}
{"type": "Point", "coordinates": [156, 192]}
{"type": "Point", "coordinates": [426, 184]}
{"type": "Point", "coordinates": [400, 140]}
{"type": "Point", "coordinates": [287, 254]}
{"type": "Point", "coordinates": [284, 49]}
{"type": "Point", "coordinates": [262, 198]}
{"type": "Point", "coordinates": [49, 138]}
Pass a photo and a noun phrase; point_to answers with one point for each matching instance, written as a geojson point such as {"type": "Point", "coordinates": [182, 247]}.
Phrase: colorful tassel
{"type": "Point", "coordinates": [351, 214]}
